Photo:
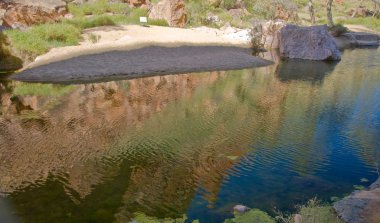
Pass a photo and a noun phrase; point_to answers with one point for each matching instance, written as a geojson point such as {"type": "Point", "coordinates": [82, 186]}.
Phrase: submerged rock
{"type": "Point", "coordinates": [361, 206]}
{"type": "Point", "coordinates": [241, 208]}
{"type": "Point", "coordinates": [353, 39]}
{"type": "Point", "coordinates": [310, 43]}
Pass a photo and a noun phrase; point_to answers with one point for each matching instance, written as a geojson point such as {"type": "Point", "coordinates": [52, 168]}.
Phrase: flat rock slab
{"type": "Point", "coordinates": [361, 206]}
{"type": "Point", "coordinates": [360, 39]}
{"type": "Point", "coordinates": [148, 61]}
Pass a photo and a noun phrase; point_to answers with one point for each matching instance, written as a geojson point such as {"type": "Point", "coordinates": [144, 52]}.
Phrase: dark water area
{"type": "Point", "coordinates": [189, 144]}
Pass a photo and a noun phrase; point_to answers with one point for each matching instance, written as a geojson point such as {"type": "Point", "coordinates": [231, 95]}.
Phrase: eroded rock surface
{"type": "Point", "coordinates": [21, 16]}
{"type": "Point", "coordinates": [310, 43]}
{"type": "Point", "coordinates": [361, 206]}
{"type": "Point", "coordinates": [173, 11]}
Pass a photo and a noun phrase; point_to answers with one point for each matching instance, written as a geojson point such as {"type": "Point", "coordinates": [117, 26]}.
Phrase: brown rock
{"type": "Point", "coordinates": [21, 16]}
{"type": "Point", "coordinates": [173, 11]}
{"type": "Point", "coordinates": [310, 43]}
{"type": "Point", "coordinates": [361, 206]}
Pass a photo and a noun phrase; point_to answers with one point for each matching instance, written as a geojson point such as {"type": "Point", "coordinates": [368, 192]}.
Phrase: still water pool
{"type": "Point", "coordinates": [190, 144]}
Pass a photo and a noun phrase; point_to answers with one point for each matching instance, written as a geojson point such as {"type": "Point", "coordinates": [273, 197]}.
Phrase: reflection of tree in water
{"type": "Point", "coordinates": [149, 144]}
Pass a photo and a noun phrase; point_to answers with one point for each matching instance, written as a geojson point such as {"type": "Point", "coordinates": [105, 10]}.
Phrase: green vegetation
{"type": "Point", "coordinates": [97, 8]}
{"type": "Point", "coordinates": [312, 212]}
{"type": "Point", "coordinates": [142, 218]}
{"type": "Point", "coordinates": [254, 215]}
{"type": "Point", "coordinates": [42, 89]}
{"type": "Point", "coordinates": [39, 39]}
{"type": "Point", "coordinates": [369, 22]}
{"type": "Point", "coordinates": [315, 212]}
{"type": "Point", "coordinates": [338, 30]}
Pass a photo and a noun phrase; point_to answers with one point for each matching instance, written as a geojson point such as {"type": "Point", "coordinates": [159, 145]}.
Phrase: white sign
{"type": "Point", "coordinates": [143, 19]}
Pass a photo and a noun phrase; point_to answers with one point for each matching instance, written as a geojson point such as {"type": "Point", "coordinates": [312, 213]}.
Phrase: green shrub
{"type": "Point", "coordinates": [95, 21]}
{"type": "Point", "coordinates": [338, 30]}
{"type": "Point", "coordinates": [314, 211]}
{"type": "Point", "coordinates": [254, 215]}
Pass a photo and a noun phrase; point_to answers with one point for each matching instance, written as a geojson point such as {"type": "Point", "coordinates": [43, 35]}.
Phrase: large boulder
{"type": "Point", "coordinates": [361, 206]}
{"type": "Point", "coordinates": [310, 43]}
{"type": "Point", "coordinates": [173, 11]}
{"type": "Point", "coordinates": [22, 16]}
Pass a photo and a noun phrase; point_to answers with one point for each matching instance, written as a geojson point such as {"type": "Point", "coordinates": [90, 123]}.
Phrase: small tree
{"type": "Point", "coordinates": [311, 11]}
{"type": "Point", "coordinates": [330, 21]}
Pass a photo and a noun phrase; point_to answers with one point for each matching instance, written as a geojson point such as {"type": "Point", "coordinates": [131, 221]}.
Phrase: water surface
{"type": "Point", "coordinates": [189, 144]}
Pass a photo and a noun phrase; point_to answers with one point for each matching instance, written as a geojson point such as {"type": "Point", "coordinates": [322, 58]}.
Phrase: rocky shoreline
{"type": "Point", "coordinates": [361, 206]}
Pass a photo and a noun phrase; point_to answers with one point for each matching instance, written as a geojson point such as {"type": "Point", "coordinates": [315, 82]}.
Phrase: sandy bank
{"type": "Point", "coordinates": [134, 37]}
{"type": "Point", "coordinates": [147, 61]}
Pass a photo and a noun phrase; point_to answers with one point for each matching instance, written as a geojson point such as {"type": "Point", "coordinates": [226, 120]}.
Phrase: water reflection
{"type": "Point", "coordinates": [193, 144]}
{"type": "Point", "coordinates": [313, 71]}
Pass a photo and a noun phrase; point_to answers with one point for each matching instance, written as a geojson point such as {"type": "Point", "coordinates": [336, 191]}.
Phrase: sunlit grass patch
{"type": "Point", "coordinates": [95, 21]}
{"type": "Point", "coordinates": [369, 22]}
{"type": "Point", "coordinates": [39, 39]}
{"type": "Point", "coordinates": [97, 8]}
{"type": "Point", "coordinates": [158, 22]}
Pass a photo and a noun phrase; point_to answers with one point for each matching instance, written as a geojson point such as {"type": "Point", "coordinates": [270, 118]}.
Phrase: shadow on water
{"type": "Point", "coordinates": [304, 70]}
{"type": "Point", "coordinates": [190, 144]}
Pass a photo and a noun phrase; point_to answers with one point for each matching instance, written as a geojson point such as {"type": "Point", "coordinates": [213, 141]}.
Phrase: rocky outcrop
{"type": "Point", "coordinates": [173, 11]}
{"type": "Point", "coordinates": [310, 43]}
{"type": "Point", "coordinates": [352, 39]}
{"type": "Point", "coordinates": [23, 13]}
{"type": "Point", "coordinates": [361, 206]}
{"type": "Point", "coordinates": [22, 16]}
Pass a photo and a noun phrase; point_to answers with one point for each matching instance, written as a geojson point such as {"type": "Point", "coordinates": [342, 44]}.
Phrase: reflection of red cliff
{"type": "Point", "coordinates": [84, 125]}
{"type": "Point", "coordinates": [65, 133]}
